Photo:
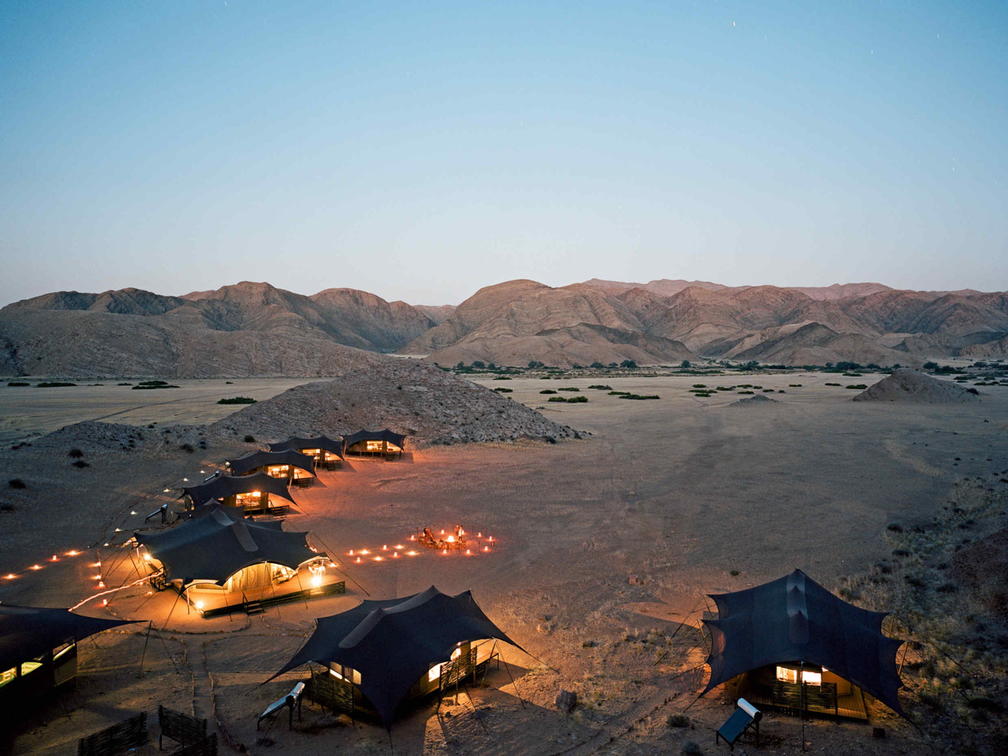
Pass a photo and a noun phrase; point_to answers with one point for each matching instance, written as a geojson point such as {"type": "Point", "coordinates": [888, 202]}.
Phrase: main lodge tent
{"type": "Point", "coordinates": [327, 452]}
{"type": "Point", "coordinates": [255, 493]}
{"type": "Point", "coordinates": [219, 561]}
{"type": "Point", "coordinates": [792, 643]}
{"type": "Point", "coordinates": [375, 442]}
{"type": "Point", "coordinates": [391, 648]}
{"type": "Point", "coordinates": [38, 648]}
{"type": "Point", "coordinates": [289, 464]}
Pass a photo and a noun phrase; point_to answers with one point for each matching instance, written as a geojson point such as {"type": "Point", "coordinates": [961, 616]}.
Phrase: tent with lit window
{"type": "Point", "coordinates": [384, 442]}
{"type": "Point", "coordinates": [256, 493]}
{"type": "Point", "coordinates": [792, 644]}
{"type": "Point", "coordinates": [327, 452]}
{"type": "Point", "coordinates": [393, 649]}
{"type": "Point", "coordinates": [38, 649]}
{"type": "Point", "coordinates": [219, 562]}
{"type": "Point", "coordinates": [289, 464]}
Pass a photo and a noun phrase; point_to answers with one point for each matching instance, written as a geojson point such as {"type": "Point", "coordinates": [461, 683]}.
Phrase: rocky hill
{"type": "Point", "coordinates": [256, 329]}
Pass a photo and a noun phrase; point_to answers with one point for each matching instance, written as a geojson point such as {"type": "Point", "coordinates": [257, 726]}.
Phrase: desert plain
{"type": "Point", "coordinates": [606, 547]}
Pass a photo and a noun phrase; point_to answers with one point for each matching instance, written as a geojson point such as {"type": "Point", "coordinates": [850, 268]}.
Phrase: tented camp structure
{"type": "Point", "coordinates": [381, 653]}
{"type": "Point", "coordinates": [38, 649]}
{"type": "Point", "coordinates": [327, 452]}
{"type": "Point", "coordinates": [792, 644]}
{"type": "Point", "coordinates": [375, 443]}
{"type": "Point", "coordinates": [258, 493]}
{"type": "Point", "coordinates": [219, 563]}
{"type": "Point", "coordinates": [288, 464]}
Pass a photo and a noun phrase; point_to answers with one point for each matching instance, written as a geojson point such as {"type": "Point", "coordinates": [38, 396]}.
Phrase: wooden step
{"type": "Point", "coordinates": [254, 607]}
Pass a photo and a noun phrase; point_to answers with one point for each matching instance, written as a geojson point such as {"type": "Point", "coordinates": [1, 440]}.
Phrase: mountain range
{"type": "Point", "coordinates": [257, 329]}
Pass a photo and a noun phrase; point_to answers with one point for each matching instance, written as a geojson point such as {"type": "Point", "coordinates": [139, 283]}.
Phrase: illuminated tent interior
{"type": "Point", "coordinates": [256, 493]}
{"type": "Point", "coordinates": [289, 464]}
{"type": "Point", "coordinates": [327, 452]}
{"type": "Point", "coordinates": [219, 562]}
{"type": "Point", "coordinates": [38, 649]}
{"type": "Point", "coordinates": [394, 649]}
{"type": "Point", "coordinates": [383, 442]}
{"type": "Point", "coordinates": [792, 644]}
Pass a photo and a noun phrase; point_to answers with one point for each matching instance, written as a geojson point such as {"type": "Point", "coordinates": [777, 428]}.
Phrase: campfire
{"type": "Point", "coordinates": [455, 539]}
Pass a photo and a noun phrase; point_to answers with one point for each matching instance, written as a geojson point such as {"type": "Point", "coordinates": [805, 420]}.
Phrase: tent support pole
{"type": "Point", "coordinates": [513, 683]}
{"type": "Point", "coordinates": [329, 553]}
{"type": "Point", "coordinates": [143, 654]}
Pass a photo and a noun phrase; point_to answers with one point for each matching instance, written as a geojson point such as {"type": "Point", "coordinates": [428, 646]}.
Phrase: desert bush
{"type": "Point", "coordinates": [124, 384]}
{"type": "Point", "coordinates": [747, 392]}
{"type": "Point", "coordinates": [631, 364]}
{"type": "Point", "coordinates": [794, 385]}
{"type": "Point", "coordinates": [238, 400]}
{"type": "Point", "coordinates": [642, 396]}
{"type": "Point", "coordinates": [75, 453]}
{"type": "Point", "coordinates": [502, 390]}
{"type": "Point", "coordinates": [568, 388]}
{"type": "Point", "coordinates": [18, 383]}
{"type": "Point", "coordinates": [859, 386]}
{"type": "Point", "coordinates": [502, 377]}
{"type": "Point", "coordinates": [832, 384]}
{"type": "Point", "coordinates": [547, 391]}
{"type": "Point", "coordinates": [153, 385]}
{"type": "Point", "coordinates": [80, 463]}
{"type": "Point", "coordinates": [699, 385]}
{"type": "Point", "coordinates": [569, 400]}
{"type": "Point", "coordinates": [187, 448]}
{"type": "Point", "coordinates": [53, 384]}
{"type": "Point", "coordinates": [17, 483]}
{"type": "Point", "coordinates": [677, 720]}
{"type": "Point", "coordinates": [600, 387]}
{"type": "Point", "coordinates": [250, 439]}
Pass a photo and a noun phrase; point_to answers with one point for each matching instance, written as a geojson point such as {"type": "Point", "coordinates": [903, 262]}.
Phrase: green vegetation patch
{"type": "Point", "coordinates": [568, 388]}
{"type": "Point", "coordinates": [600, 387]}
{"type": "Point", "coordinates": [502, 390]}
{"type": "Point", "coordinates": [832, 384]}
{"type": "Point", "coordinates": [547, 391]}
{"type": "Point", "coordinates": [859, 386]}
{"type": "Point", "coordinates": [237, 400]}
{"type": "Point", "coordinates": [25, 383]}
{"type": "Point", "coordinates": [153, 385]}
{"type": "Point", "coordinates": [641, 396]}
{"type": "Point", "coordinates": [569, 399]}
{"type": "Point", "coordinates": [53, 384]}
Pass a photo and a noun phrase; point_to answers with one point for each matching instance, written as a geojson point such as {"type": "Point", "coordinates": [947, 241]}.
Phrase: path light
{"type": "Point", "coordinates": [96, 577]}
{"type": "Point", "coordinates": [486, 548]}
{"type": "Point", "coordinates": [395, 554]}
{"type": "Point", "coordinates": [350, 553]}
{"type": "Point", "coordinates": [185, 480]}
{"type": "Point", "coordinates": [357, 560]}
{"type": "Point", "coordinates": [316, 581]}
{"type": "Point", "coordinates": [412, 553]}
{"type": "Point", "coordinates": [468, 552]}
{"type": "Point", "coordinates": [365, 552]}
{"type": "Point", "coordinates": [399, 546]}
{"type": "Point", "coordinates": [35, 567]}
{"type": "Point", "coordinates": [199, 605]}
{"type": "Point", "coordinates": [54, 558]}
{"type": "Point", "coordinates": [379, 559]}
{"type": "Point", "coordinates": [73, 552]}
{"type": "Point", "coordinates": [10, 576]}
{"type": "Point", "coordinates": [167, 490]}
{"type": "Point", "coordinates": [384, 547]}
{"type": "Point", "coordinates": [96, 564]}
{"type": "Point", "coordinates": [101, 584]}
{"type": "Point", "coordinates": [133, 512]}
{"type": "Point", "coordinates": [104, 602]}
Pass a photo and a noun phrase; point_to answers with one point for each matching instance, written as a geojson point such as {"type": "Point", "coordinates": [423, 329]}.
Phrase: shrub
{"type": "Point", "coordinates": [832, 384]}
{"type": "Point", "coordinates": [677, 720]}
{"type": "Point", "coordinates": [502, 378]}
{"type": "Point", "coordinates": [75, 453]}
{"type": "Point", "coordinates": [53, 384]}
{"type": "Point", "coordinates": [187, 448]}
{"type": "Point", "coordinates": [503, 390]}
{"type": "Point", "coordinates": [18, 383]}
{"type": "Point", "coordinates": [568, 388]}
{"type": "Point", "coordinates": [699, 385]}
{"type": "Point", "coordinates": [618, 393]}
{"type": "Point", "coordinates": [685, 364]}
{"type": "Point", "coordinates": [628, 364]}
{"type": "Point", "coordinates": [643, 396]}
{"type": "Point", "coordinates": [17, 483]}
{"type": "Point", "coordinates": [858, 386]}
{"type": "Point", "coordinates": [240, 400]}
{"type": "Point", "coordinates": [124, 384]}
{"type": "Point", "coordinates": [535, 364]}
{"type": "Point", "coordinates": [249, 439]}
{"type": "Point", "coordinates": [80, 463]}
{"type": "Point", "coordinates": [794, 385]}
{"type": "Point", "coordinates": [547, 391]}
{"type": "Point", "coordinates": [600, 387]}
{"type": "Point", "coordinates": [153, 385]}
{"type": "Point", "coordinates": [597, 365]}
{"type": "Point", "coordinates": [747, 392]}
{"type": "Point", "coordinates": [569, 400]}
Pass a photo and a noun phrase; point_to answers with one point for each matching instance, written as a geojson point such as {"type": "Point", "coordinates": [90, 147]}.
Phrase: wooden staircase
{"type": "Point", "coordinates": [254, 607]}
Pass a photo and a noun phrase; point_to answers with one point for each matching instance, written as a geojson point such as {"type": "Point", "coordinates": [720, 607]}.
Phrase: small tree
{"type": "Point", "coordinates": [628, 364]}
{"type": "Point", "coordinates": [686, 364]}
{"type": "Point", "coordinates": [478, 364]}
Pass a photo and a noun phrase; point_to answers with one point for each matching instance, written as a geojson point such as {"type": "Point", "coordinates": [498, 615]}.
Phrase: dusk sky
{"type": "Point", "coordinates": [423, 150]}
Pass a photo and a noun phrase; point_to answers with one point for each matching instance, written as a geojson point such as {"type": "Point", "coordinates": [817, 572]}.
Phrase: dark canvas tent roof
{"type": "Point", "coordinates": [258, 459]}
{"type": "Point", "coordinates": [27, 632]}
{"type": "Point", "coordinates": [216, 546]}
{"type": "Point", "coordinates": [221, 486]}
{"type": "Point", "coordinates": [383, 435]}
{"type": "Point", "coordinates": [393, 642]}
{"type": "Point", "coordinates": [794, 619]}
{"type": "Point", "coordinates": [318, 442]}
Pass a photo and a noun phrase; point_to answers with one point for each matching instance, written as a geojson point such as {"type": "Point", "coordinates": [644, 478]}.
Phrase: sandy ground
{"type": "Point", "coordinates": [27, 411]}
{"type": "Point", "coordinates": [606, 547]}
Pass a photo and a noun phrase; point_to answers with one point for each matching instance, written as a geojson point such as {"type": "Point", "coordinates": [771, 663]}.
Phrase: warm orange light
{"type": "Point", "coordinates": [97, 577]}
{"type": "Point", "coordinates": [442, 531]}
{"type": "Point", "coordinates": [357, 560]}
{"type": "Point", "coordinates": [73, 552]}
{"type": "Point", "coordinates": [350, 553]}
{"type": "Point", "coordinates": [379, 558]}
{"type": "Point", "coordinates": [10, 576]}
{"type": "Point", "coordinates": [35, 567]}
{"type": "Point", "coordinates": [101, 584]}
{"type": "Point", "coordinates": [104, 602]}
{"type": "Point", "coordinates": [480, 534]}
{"type": "Point", "coordinates": [444, 553]}
{"type": "Point", "coordinates": [399, 546]}
{"type": "Point", "coordinates": [384, 547]}
{"type": "Point", "coordinates": [412, 537]}
{"type": "Point", "coordinates": [54, 558]}
{"type": "Point", "coordinates": [365, 552]}
{"type": "Point", "coordinates": [411, 553]}
{"type": "Point", "coordinates": [450, 539]}
{"type": "Point", "coordinates": [468, 552]}
{"type": "Point", "coordinates": [96, 564]}
{"type": "Point", "coordinates": [395, 554]}
{"type": "Point", "coordinates": [486, 548]}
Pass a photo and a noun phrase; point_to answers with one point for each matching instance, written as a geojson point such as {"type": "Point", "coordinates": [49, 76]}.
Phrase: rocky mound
{"type": "Point", "coordinates": [753, 401]}
{"type": "Point", "coordinates": [911, 386]}
{"type": "Point", "coordinates": [981, 567]}
{"type": "Point", "coordinates": [432, 406]}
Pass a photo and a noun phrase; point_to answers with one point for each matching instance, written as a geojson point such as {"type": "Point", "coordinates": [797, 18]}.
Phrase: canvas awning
{"type": "Point", "coordinates": [383, 435]}
{"type": "Point", "coordinates": [27, 632]}
{"type": "Point", "coordinates": [258, 459]}
{"type": "Point", "coordinates": [222, 486]}
{"type": "Point", "coordinates": [324, 443]}
{"type": "Point", "coordinates": [217, 545]}
{"type": "Point", "coordinates": [393, 642]}
{"type": "Point", "coordinates": [794, 619]}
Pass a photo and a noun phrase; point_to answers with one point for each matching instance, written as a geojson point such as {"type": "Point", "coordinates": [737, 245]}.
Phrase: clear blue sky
{"type": "Point", "coordinates": [422, 150]}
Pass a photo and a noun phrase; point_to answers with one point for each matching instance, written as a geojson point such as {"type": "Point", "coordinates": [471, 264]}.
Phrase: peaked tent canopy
{"type": "Point", "coordinates": [216, 546]}
{"type": "Point", "coordinates": [319, 442]}
{"type": "Point", "coordinates": [27, 632]}
{"type": "Point", "coordinates": [222, 486]}
{"type": "Point", "coordinates": [258, 459]}
{"type": "Point", "coordinates": [794, 619]}
{"type": "Point", "coordinates": [393, 642]}
{"type": "Point", "coordinates": [386, 435]}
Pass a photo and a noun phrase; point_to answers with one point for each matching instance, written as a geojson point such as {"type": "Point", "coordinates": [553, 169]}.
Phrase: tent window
{"type": "Point", "coordinates": [62, 650]}
{"type": "Point", "coordinates": [790, 675]}
{"type": "Point", "coordinates": [373, 446]}
{"type": "Point", "coordinates": [7, 675]}
{"type": "Point", "coordinates": [29, 666]}
{"type": "Point", "coordinates": [342, 672]}
{"type": "Point", "coordinates": [435, 672]}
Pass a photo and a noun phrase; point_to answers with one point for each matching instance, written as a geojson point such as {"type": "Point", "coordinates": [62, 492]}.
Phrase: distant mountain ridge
{"type": "Point", "coordinates": [257, 329]}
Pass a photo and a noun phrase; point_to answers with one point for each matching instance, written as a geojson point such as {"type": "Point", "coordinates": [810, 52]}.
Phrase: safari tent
{"type": "Point", "coordinates": [258, 493]}
{"type": "Point", "coordinates": [793, 645]}
{"type": "Point", "coordinates": [219, 562]}
{"type": "Point", "coordinates": [327, 452]}
{"type": "Point", "coordinates": [384, 443]}
{"type": "Point", "coordinates": [383, 652]}
{"type": "Point", "coordinates": [292, 465]}
{"type": "Point", "coordinates": [38, 650]}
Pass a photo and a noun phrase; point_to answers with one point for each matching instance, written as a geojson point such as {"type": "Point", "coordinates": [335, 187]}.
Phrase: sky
{"type": "Point", "coordinates": [424, 150]}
